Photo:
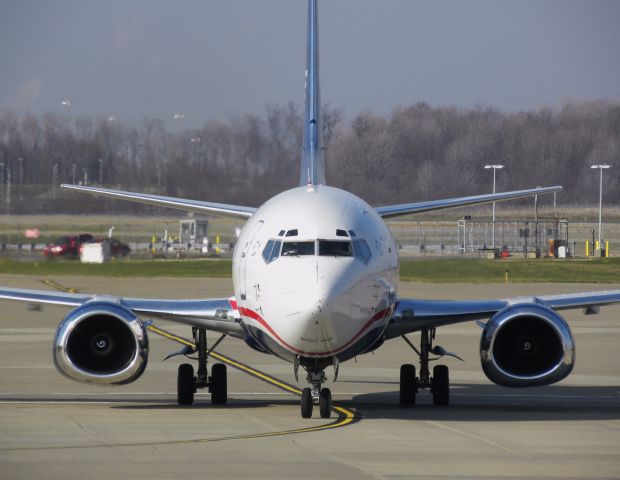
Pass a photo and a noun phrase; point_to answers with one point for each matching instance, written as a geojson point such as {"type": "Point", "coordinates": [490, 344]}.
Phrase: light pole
{"type": "Point", "coordinates": [601, 167]}
{"type": "Point", "coordinates": [495, 168]}
{"type": "Point", "coordinates": [54, 180]}
{"type": "Point", "coordinates": [8, 188]}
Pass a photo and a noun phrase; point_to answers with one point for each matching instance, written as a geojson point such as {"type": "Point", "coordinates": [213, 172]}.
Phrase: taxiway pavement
{"type": "Point", "coordinates": [52, 427]}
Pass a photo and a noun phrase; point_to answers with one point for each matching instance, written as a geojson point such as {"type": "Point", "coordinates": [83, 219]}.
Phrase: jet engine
{"type": "Point", "coordinates": [101, 342]}
{"type": "Point", "coordinates": [527, 345]}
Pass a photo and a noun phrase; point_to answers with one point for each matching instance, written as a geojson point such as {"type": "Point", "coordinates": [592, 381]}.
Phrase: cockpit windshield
{"type": "Point", "coordinates": [356, 247]}
{"type": "Point", "coordinates": [335, 248]}
{"type": "Point", "coordinates": [297, 248]}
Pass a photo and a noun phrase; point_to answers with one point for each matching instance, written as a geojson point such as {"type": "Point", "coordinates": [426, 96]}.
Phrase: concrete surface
{"type": "Point", "coordinates": [52, 427]}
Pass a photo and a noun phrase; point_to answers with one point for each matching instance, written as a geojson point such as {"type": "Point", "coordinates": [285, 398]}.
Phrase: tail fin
{"type": "Point", "coordinates": [312, 156]}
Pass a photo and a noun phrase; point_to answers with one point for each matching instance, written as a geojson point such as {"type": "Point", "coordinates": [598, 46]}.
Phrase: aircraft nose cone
{"type": "Point", "coordinates": [316, 323]}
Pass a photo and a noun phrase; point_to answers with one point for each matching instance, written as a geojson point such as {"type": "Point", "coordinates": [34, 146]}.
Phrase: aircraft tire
{"type": "Point", "coordinates": [408, 385]}
{"type": "Point", "coordinates": [218, 386]}
{"type": "Point", "coordinates": [306, 403]}
{"type": "Point", "coordinates": [185, 384]}
{"type": "Point", "coordinates": [441, 385]}
{"type": "Point", "coordinates": [325, 402]}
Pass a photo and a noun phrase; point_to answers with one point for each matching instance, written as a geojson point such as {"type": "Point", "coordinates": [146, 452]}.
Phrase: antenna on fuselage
{"type": "Point", "coordinates": [312, 156]}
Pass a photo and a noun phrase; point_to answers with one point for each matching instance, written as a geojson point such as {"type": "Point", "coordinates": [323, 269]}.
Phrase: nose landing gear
{"type": "Point", "coordinates": [438, 383]}
{"type": "Point", "coordinates": [316, 395]}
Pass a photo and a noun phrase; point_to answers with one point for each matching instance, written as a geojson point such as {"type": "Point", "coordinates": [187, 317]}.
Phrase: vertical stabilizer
{"type": "Point", "coordinates": [312, 156]}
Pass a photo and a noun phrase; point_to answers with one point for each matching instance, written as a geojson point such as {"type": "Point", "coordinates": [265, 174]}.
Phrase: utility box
{"type": "Point", "coordinates": [193, 230]}
{"type": "Point", "coordinates": [95, 252]}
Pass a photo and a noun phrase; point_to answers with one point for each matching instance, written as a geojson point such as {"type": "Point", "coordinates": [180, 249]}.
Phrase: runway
{"type": "Point", "coordinates": [52, 427]}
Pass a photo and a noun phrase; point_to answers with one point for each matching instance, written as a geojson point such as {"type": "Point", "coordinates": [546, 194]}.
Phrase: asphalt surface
{"type": "Point", "coordinates": [52, 427]}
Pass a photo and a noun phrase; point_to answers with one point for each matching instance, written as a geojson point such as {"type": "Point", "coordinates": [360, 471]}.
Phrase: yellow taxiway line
{"type": "Point", "coordinates": [345, 416]}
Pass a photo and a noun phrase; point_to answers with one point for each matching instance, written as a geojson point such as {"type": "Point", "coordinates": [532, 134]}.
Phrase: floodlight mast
{"type": "Point", "coordinates": [495, 168]}
{"type": "Point", "coordinates": [601, 167]}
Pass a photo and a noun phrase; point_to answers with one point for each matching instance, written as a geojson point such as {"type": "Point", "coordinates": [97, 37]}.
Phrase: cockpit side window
{"type": "Point", "coordinates": [297, 248]}
{"type": "Point", "coordinates": [335, 248]}
{"type": "Point", "coordinates": [271, 250]}
{"type": "Point", "coordinates": [361, 250]}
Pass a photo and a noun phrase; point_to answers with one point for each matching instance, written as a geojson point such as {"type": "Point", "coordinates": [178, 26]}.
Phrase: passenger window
{"type": "Point", "coordinates": [335, 248]}
{"type": "Point", "coordinates": [361, 250]}
{"type": "Point", "coordinates": [271, 250]}
{"type": "Point", "coordinates": [297, 248]}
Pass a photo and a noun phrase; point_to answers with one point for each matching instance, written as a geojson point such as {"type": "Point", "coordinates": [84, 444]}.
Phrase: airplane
{"type": "Point", "coordinates": [315, 283]}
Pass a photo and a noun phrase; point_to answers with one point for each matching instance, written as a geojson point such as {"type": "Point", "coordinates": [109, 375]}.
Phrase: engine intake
{"type": "Point", "coordinates": [527, 345]}
{"type": "Point", "coordinates": [101, 342]}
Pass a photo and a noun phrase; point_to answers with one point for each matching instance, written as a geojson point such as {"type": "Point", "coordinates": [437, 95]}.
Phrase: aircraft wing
{"type": "Point", "coordinates": [418, 207]}
{"type": "Point", "coordinates": [196, 206]}
{"type": "Point", "coordinates": [217, 314]}
{"type": "Point", "coordinates": [412, 315]}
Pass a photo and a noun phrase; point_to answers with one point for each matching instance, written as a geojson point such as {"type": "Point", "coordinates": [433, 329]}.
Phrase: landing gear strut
{"type": "Point", "coordinates": [439, 383]}
{"type": "Point", "coordinates": [316, 395]}
{"type": "Point", "coordinates": [187, 383]}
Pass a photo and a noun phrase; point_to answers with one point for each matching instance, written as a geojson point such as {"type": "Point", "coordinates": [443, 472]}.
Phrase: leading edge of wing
{"type": "Point", "coordinates": [213, 314]}
{"type": "Point", "coordinates": [44, 297]}
{"type": "Point", "coordinates": [196, 206]}
{"type": "Point", "coordinates": [419, 207]}
{"type": "Point", "coordinates": [412, 315]}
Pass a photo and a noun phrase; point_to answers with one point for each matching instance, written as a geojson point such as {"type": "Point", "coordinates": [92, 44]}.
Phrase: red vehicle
{"type": "Point", "coordinates": [67, 246]}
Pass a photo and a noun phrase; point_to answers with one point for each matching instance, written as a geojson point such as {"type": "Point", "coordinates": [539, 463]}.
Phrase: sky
{"type": "Point", "coordinates": [213, 60]}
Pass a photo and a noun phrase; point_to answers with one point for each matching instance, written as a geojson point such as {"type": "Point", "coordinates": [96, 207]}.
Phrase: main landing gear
{"type": "Point", "coordinates": [315, 395]}
{"type": "Point", "coordinates": [187, 383]}
{"type": "Point", "coordinates": [439, 383]}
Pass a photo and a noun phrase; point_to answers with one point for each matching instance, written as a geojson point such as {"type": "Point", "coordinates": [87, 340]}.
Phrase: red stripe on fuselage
{"type": "Point", "coordinates": [255, 316]}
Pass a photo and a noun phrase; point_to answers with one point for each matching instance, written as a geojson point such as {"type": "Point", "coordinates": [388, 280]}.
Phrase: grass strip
{"type": "Point", "coordinates": [604, 270]}
{"type": "Point", "coordinates": [421, 270]}
{"type": "Point", "coordinates": [216, 268]}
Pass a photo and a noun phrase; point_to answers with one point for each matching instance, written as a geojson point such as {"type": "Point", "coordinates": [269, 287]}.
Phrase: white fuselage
{"type": "Point", "coordinates": [315, 274]}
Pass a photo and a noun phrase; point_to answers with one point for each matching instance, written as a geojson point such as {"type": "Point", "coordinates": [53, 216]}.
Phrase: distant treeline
{"type": "Point", "coordinates": [414, 153]}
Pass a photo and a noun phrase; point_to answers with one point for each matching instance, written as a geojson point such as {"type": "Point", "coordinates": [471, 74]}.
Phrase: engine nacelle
{"type": "Point", "coordinates": [101, 342]}
{"type": "Point", "coordinates": [527, 345]}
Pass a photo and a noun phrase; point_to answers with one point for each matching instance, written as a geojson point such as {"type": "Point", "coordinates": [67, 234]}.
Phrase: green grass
{"type": "Point", "coordinates": [606, 270]}
{"type": "Point", "coordinates": [122, 268]}
{"type": "Point", "coordinates": [432, 270]}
